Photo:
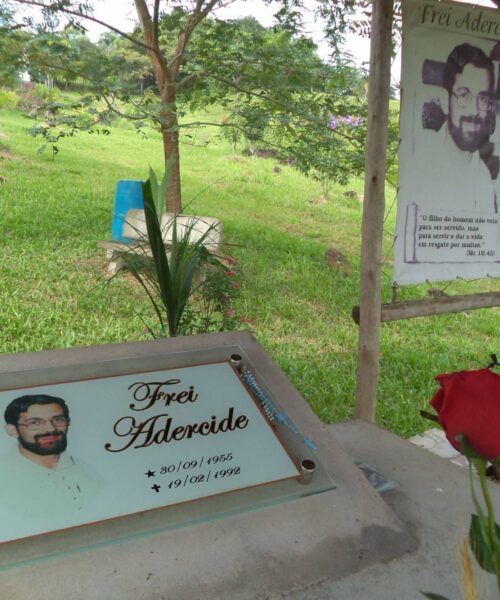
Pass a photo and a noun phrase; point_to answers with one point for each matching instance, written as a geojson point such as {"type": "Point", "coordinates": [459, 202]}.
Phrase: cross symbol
{"type": "Point", "coordinates": [156, 487]}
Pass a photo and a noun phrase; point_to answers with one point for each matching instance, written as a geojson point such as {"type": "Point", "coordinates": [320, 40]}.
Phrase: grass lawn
{"type": "Point", "coordinates": [53, 211]}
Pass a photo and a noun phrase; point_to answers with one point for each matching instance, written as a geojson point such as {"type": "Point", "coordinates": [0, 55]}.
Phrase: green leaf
{"type": "Point", "coordinates": [153, 181]}
{"type": "Point", "coordinates": [174, 271]}
{"type": "Point", "coordinates": [162, 191]}
{"type": "Point", "coordinates": [160, 258]}
{"type": "Point", "coordinates": [432, 596]}
{"type": "Point", "coordinates": [480, 544]}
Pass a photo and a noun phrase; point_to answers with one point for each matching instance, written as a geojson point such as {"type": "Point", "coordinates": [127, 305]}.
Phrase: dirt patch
{"type": "Point", "coordinates": [318, 200]}
{"type": "Point", "coordinates": [260, 152]}
{"type": "Point", "coordinates": [90, 265]}
{"type": "Point", "coordinates": [7, 155]}
{"type": "Point", "coordinates": [268, 153]}
{"type": "Point", "coordinates": [337, 261]}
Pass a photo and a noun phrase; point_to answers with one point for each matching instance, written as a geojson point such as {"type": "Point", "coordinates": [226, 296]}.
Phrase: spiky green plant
{"type": "Point", "coordinates": [168, 275]}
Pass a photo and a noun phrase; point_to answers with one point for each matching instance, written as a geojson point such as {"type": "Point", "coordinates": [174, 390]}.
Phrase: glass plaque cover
{"type": "Point", "coordinates": [102, 451]}
{"type": "Point", "coordinates": [91, 450]}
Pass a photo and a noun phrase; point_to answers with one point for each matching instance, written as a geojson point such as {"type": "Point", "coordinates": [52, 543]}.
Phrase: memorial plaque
{"type": "Point", "coordinates": [140, 449]}
{"type": "Point", "coordinates": [448, 225]}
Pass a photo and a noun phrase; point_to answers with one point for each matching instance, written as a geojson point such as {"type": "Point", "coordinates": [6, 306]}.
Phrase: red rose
{"type": "Point", "coordinates": [468, 403]}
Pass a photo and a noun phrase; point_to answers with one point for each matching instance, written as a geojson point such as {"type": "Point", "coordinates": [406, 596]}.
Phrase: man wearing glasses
{"type": "Point", "coordinates": [448, 169]}
{"type": "Point", "coordinates": [469, 79]}
{"type": "Point", "coordinates": [42, 477]}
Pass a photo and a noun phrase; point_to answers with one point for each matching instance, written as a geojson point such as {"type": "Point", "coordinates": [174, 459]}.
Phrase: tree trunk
{"type": "Point", "coordinates": [173, 199]}
{"type": "Point", "coordinates": [170, 136]}
{"type": "Point", "coordinates": [165, 77]}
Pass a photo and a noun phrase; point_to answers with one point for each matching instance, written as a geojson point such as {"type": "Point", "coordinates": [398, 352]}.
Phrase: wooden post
{"type": "Point", "coordinates": [373, 209]}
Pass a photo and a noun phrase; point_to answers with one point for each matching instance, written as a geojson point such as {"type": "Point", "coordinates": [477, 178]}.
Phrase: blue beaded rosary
{"type": "Point", "coordinates": [270, 410]}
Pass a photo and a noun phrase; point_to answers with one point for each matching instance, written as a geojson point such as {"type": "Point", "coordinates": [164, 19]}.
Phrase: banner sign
{"type": "Point", "coordinates": [89, 450]}
{"type": "Point", "coordinates": [448, 221]}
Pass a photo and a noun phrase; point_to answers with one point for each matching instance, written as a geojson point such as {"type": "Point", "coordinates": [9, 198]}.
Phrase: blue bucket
{"type": "Point", "coordinates": [128, 194]}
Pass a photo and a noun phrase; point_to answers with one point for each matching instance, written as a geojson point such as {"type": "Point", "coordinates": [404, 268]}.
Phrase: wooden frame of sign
{"type": "Point", "coordinates": [370, 312]}
{"type": "Point", "coordinates": [409, 309]}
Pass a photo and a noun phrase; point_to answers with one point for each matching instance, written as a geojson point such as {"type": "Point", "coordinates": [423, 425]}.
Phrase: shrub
{"type": "Point", "coordinates": [34, 97]}
{"type": "Point", "coordinates": [8, 99]}
{"type": "Point", "coordinates": [189, 288]}
{"type": "Point", "coordinates": [42, 92]}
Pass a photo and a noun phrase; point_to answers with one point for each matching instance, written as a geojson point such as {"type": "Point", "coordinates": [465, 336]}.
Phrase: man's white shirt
{"type": "Point", "coordinates": [30, 488]}
{"type": "Point", "coordinates": [444, 176]}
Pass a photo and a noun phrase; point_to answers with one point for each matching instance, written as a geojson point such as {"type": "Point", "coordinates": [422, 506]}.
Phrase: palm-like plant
{"type": "Point", "coordinates": [169, 275]}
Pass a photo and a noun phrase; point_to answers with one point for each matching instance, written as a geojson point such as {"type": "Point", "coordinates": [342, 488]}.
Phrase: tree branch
{"type": "Point", "coordinates": [156, 20]}
{"type": "Point", "coordinates": [246, 132]}
{"type": "Point", "coordinates": [91, 18]}
{"type": "Point", "coordinates": [199, 13]}
{"type": "Point", "coordinates": [307, 117]}
{"type": "Point", "coordinates": [112, 107]}
{"type": "Point", "coordinates": [274, 101]}
{"type": "Point", "coordinates": [161, 69]}
{"type": "Point", "coordinates": [191, 77]}
{"type": "Point", "coordinates": [62, 66]}
{"type": "Point", "coordinates": [236, 62]}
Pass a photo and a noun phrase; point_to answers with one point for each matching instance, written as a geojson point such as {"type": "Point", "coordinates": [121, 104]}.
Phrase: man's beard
{"type": "Point", "coordinates": [470, 140]}
{"type": "Point", "coordinates": [56, 447]}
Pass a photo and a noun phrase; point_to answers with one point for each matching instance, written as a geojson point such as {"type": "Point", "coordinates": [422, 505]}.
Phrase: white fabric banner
{"type": "Point", "coordinates": [448, 220]}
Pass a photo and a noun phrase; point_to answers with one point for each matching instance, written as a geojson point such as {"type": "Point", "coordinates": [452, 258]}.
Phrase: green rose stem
{"type": "Point", "coordinates": [492, 528]}
{"type": "Point", "coordinates": [484, 536]}
{"type": "Point", "coordinates": [491, 545]}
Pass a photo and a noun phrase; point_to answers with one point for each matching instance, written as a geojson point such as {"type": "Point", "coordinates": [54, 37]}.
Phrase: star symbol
{"type": "Point", "coordinates": [156, 487]}
{"type": "Point", "coordinates": [150, 473]}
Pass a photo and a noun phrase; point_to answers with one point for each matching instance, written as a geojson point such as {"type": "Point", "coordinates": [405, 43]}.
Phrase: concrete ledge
{"type": "Point", "coordinates": [269, 552]}
{"type": "Point", "coordinates": [433, 499]}
{"type": "Point", "coordinates": [250, 556]}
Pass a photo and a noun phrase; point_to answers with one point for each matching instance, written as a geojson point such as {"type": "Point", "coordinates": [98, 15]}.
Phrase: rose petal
{"type": "Point", "coordinates": [468, 403]}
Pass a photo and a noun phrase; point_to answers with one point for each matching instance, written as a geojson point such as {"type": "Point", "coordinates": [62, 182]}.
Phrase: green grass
{"type": "Point", "coordinates": [53, 211]}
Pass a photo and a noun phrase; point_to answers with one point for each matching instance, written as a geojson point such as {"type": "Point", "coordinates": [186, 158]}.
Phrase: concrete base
{"type": "Point", "coordinates": [257, 555]}
{"type": "Point", "coordinates": [346, 544]}
{"type": "Point", "coordinates": [318, 548]}
{"type": "Point", "coordinates": [263, 553]}
{"type": "Point", "coordinates": [436, 442]}
{"type": "Point", "coordinates": [433, 499]}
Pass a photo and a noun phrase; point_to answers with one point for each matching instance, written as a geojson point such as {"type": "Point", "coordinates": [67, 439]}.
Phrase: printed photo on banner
{"type": "Point", "coordinates": [85, 451]}
{"type": "Point", "coordinates": [449, 160]}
